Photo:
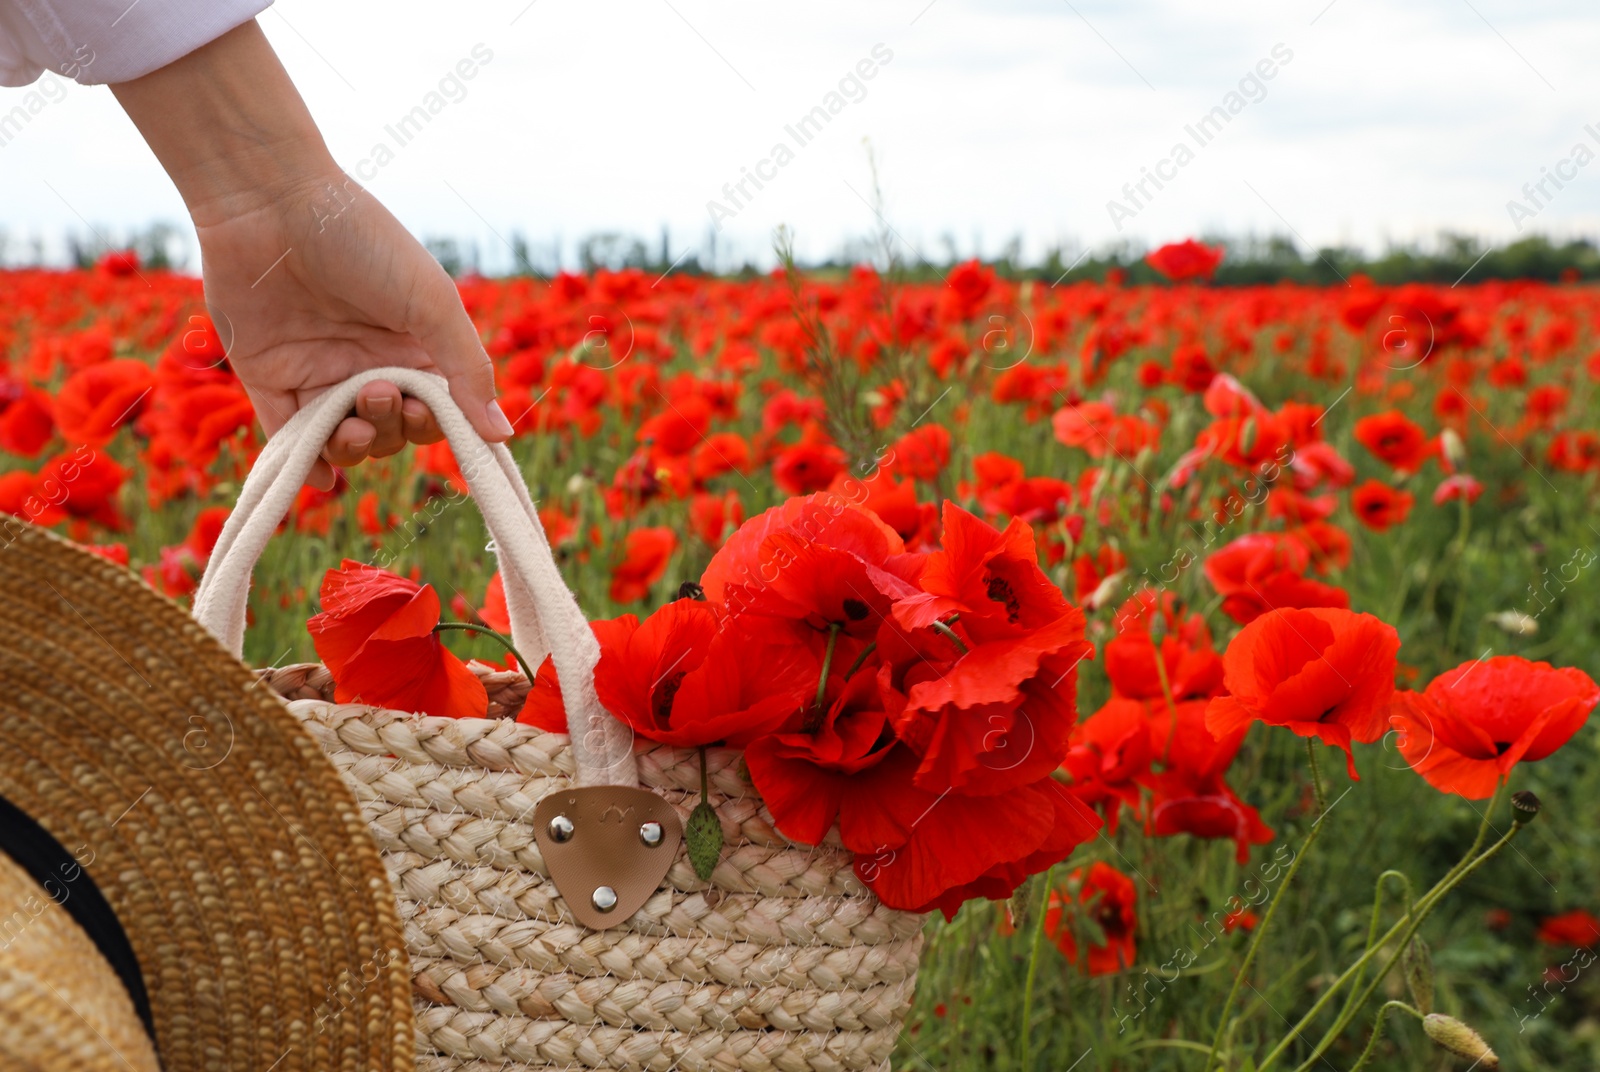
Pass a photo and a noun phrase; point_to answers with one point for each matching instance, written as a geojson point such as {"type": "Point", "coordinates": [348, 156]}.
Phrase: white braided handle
{"type": "Point", "coordinates": [545, 618]}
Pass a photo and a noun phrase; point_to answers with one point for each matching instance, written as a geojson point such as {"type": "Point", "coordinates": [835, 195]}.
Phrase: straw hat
{"type": "Point", "coordinates": [195, 888]}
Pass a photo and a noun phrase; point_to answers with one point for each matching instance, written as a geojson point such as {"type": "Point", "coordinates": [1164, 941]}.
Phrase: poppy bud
{"type": "Point", "coordinates": [1247, 436]}
{"type": "Point", "coordinates": [1515, 622]}
{"type": "Point", "coordinates": [1418, 965]}
{"type": "Point", "coordinates": [1459, 1039]}
{"type": "Point", "coordinates": [703, 833]}
{"type": "Point", "coordinates": [1526, 805]}
{"type": "Point", "coordinates": [1453, 449]}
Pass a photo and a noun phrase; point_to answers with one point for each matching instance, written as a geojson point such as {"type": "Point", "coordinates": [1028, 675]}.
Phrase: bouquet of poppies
{"type": "Point", "coordinates": [911, 706]}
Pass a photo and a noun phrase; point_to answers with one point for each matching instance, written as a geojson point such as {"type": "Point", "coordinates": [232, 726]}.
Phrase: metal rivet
{"type": "Point", "coordinates": [560, 829]}
{"type": "Point", "coordinates": [605, 898]}
{"type": "Point", "coordinates": [650, 834]}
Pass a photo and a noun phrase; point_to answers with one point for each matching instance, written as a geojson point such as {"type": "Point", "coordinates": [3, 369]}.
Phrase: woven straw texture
{"type": "Point", "coordinates": [235, 857]}
{"type": "Point", "coordinates": [54, 1019]}
{"type": "Point", "coordinates": [783, 961]}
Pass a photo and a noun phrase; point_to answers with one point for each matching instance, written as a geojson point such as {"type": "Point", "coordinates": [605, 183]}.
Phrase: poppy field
{"type": "Point", "coordinates": [1213, 664]}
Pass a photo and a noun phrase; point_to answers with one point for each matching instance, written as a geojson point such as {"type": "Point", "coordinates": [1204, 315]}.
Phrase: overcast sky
{"type": "Point", "coordinates": [988, 120]}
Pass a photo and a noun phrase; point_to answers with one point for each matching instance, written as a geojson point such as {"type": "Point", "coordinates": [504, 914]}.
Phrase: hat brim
{"type": "Point", "coordinates": [64, 1007]}
{"type": "Point", "coordinates": [230, 850]}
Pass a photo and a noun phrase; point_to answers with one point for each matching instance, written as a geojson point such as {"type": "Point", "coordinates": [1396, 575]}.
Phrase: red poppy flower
{"type": "Point", "coordinates": [1380, 507]}
{"type": "Point", "coordinates": [721, 452]}
{"type": "Point", "coordinates": [97, 400]}
{"type": "Point", "coordinates": [921, 453]}
{"type": "Point", "coordinates": [712, 517]}
{"type": "Point", "coordinates": [207, 528]}
{"type": "Point", "coordinates": [375, 633]}
{"type": "Point", "coordinates": [118, 262]}
{"type": "Point", "coordinates": [1240, 919]}
{"type": "Point", "coordinates": [1395, 439]}
{"type": "Point", "coordinates": [1471, 725]}
{"type": "Point", "coordinates": [1329, 545]}
{"type": "Point", "coordinates": [1109, 900]}
{"type": "Point", "coordinates": [1190, 665]}
{"type": "Point", "coordinates": [1319, 463]}
{"type": "Point", "coordinates": [85, 484]}
{"type": "Point", "coordinates": [1091, 571]}
{"type": "Point", "coordinates": [1249, 442]}
{"type": "Point", "coordinates": [544, 707]}
{"type": "Point", "coordinates": [684, 678]}
{"type": "Point", "coordinates": [1460, 486]}
{"type": "Point", "coordinates": [803, 777]}
{"type": "Point", "coordinates": [1322, 673]}
{"type": "Point", "coordinates": [1182, 261]}
{"type": "Point", "coordinates": [1190, 795]}
{"type": "Point", "coordinates": [1111, 751]}
{"type": "Point", "coordinates": [821, 560]}
{"type": "Point", "coordinates": [968, 283]}
{"type": "Point", "coordinates": [645, 555]}
{"type": "Point", "coordinates": [1263, 571]}
{"type": "Point", "coordinates": [895, 503]}
{"type": "Point", "coordinates": [807, 467]}
{"type": "Point", "coordinates": [990, 702]}
{"type": "Point", "coordinates": [1098, 430]}
{"type": "Point", "coordinates": [920, 850]}
{"type": "Point", "coordinates": [26, 424]}
{"type": "Point", "coordinates": [786, 408]}
{"type": "Point", "coordinates": [679, 428]}
{"type": "Point", "coordinates": [193, 421]}
{"type": "Point", "coordinates": [1578, 928]}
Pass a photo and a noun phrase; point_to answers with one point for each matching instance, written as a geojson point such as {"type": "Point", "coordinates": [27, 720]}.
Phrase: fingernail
{"type": "Point", "coordinates": [497, 420]}
{"type": "Point", "coordinates": [380, 406]}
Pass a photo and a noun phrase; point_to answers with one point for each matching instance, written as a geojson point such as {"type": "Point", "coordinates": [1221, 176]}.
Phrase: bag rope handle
{"type": "Point", "coordinates": [545, 617]}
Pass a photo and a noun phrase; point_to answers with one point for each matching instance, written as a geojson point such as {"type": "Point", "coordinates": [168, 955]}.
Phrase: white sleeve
{"type": "Point", "coordinates": [103, 41]}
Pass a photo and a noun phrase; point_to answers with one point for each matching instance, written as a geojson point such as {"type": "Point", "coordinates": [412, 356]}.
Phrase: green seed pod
{"type": "Point", "coordinates": [1418, 966]}
{"type": "Point", "coordinates": [1460, 1039]}
{"type": "Point", "coordinates": [1525, 806]}
{"type": "Point", "coordinates": [1247, 436]}
{"type": "Point", "coordinates": [704, 835]}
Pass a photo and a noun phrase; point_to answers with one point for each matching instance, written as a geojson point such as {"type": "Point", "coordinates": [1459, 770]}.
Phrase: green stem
{"type": "Point", "coordinates": [527, 670]}
{"type": "Point", "coordinates": [1460, 556]}
{"type": "Point", "coordinates": [1316, 776]}
{"type": "Point", "coordinates": [949, 634]}
{"type": "Point", "coordinates": [1483, 829]}
{"type": "Point", "coordinates": [1255, 940]}
{"type": "Point", "coordinates": [1404, 927]}
{"type": "Point", "coordinates": [705, 778]}
{"type": "Point", "coordinates": [1372, 929]}
{"type": "Point", "coordinates": [817, 709]}
{"type": "Point", "coordinates": [866, 653]}
{"type": "Point", "coordinates": [1424, 909]}
{"type": "Point", "coordinates": [1172, 706]}
{"type": "Point", "coordinates": [1033, 970]}
{"type": "Point", "coordinates": [1377, 1032]}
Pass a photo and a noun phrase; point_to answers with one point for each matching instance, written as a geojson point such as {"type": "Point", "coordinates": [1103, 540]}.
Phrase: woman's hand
{"type": "Point", "coordinates": [308, 279]}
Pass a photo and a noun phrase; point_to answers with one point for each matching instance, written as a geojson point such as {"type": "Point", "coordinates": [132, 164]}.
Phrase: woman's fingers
{"type": "Point", "coordinates": [379, 404]}
{"type": "Point", "coordinates": [418, 423]}
{"type": "Point", "coordinates": [351, 442]}
{"type": "Point", "coordinates": [385, 422]}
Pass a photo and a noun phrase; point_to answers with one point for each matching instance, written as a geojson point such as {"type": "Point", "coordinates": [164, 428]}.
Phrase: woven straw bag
{"type": "Point", "coordinates": [782, 961]}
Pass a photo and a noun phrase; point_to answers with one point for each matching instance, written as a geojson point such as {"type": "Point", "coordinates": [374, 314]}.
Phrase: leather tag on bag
{"type": "Point", "coordinates": [607, 848]}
